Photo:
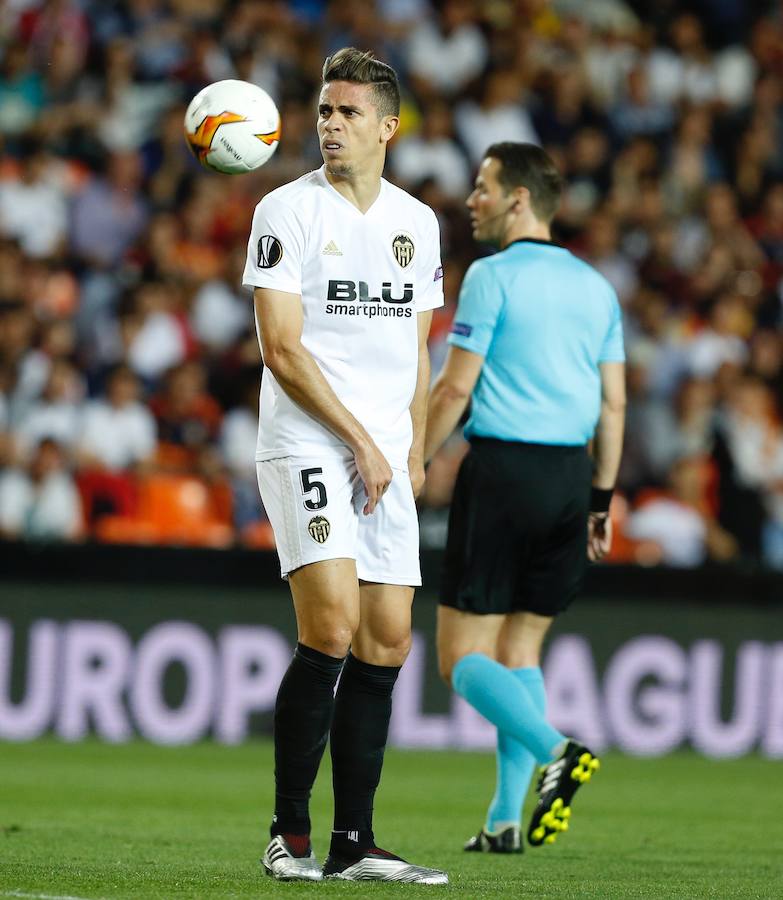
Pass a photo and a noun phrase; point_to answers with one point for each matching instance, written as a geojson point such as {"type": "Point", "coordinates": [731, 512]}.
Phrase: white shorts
{"type": "Point", "coordinates": [315, 507]}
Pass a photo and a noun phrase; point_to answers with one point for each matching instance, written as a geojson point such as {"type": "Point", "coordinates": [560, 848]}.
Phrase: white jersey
{"type": "Point", "coordinates": [362, 278]}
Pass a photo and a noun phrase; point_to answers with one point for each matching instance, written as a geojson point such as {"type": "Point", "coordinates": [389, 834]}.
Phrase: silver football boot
{"type": "Point", "coordinates": [380, 865]}
{"type": "Point", "coordinates": [280, 862]}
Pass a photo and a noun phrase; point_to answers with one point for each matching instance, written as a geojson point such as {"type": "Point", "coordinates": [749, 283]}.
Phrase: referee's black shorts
{"type": "Point", "coordinates": [517, 528]}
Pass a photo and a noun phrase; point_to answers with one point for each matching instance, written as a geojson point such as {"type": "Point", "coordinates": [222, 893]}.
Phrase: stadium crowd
{"type": "Point", "coordinates": [129, 364]}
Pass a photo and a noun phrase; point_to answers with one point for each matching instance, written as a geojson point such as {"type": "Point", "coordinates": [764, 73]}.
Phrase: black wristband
{"type": "Point", "coordinates": [600, 499]}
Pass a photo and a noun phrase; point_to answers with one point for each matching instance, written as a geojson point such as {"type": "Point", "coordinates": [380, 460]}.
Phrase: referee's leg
{"type": "Point", "coordinates": [467, 647]}
{"type": "Point", "coordinates": [519, 650]}
{"type": "Point", "coordinates": [521, 639]}
{"type": "Point", "coordinates": [462, 634]}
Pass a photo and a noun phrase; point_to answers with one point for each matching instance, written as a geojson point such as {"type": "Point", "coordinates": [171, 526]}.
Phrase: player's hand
{"type": "Point", "coordinates": [375, 472]}
{"type": "Point", "coordinates": [599, 536]}
{"type": "Point", "coordinates": [416, 473]}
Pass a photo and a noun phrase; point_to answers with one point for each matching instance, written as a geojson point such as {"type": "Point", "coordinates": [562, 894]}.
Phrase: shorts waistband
{"type": "Point", "coordinates": [479, 442]}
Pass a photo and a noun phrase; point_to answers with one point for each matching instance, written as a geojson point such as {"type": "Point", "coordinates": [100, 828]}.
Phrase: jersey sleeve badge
{"type": "Point", "coordinates": [270, 251]}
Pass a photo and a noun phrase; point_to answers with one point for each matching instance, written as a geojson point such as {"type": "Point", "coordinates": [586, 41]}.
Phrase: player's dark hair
{"type": "Point", "coordinates": [361, 67]}
{"type": "Point", "coordinates": [526, 165]}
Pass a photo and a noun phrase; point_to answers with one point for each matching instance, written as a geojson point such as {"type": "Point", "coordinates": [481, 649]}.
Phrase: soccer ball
{"type": "Point", "coordinates": [232, 126]}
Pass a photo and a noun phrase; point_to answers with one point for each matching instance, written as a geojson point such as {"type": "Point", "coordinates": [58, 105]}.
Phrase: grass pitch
{"type": "Point", "coordinates": [138, 821]}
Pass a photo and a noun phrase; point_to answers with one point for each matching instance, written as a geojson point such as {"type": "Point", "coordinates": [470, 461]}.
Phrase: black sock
{"type": "Point", "coordinates": [359, 730]}
{"type": "Point", "coordinates": [303, 714]}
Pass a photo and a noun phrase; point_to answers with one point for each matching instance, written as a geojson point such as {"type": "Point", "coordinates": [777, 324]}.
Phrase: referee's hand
{"type": "Point", "coordinates": [599, 536]}
{"type": "Point", "coordinates": [376, 474]}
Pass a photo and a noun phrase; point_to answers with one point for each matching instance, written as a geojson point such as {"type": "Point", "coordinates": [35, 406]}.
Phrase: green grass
{"type": "Point", "coordinates": [138, 821]}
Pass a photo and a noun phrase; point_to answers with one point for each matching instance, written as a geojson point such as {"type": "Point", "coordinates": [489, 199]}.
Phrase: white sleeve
{"type": "Point", "coordinates": [275, 249]}
{"type": "Point", "coordinates": [430, 271]}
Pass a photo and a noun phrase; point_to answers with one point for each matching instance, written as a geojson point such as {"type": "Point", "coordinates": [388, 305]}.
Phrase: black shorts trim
{"type": "Point", "coordinates": [517, 538]}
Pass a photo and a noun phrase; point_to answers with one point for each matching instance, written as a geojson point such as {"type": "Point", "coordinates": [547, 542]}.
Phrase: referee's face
{"type": "Point", "coordinates": [351, 134]}
{"type": "Point", "coordinates": [489, 204]}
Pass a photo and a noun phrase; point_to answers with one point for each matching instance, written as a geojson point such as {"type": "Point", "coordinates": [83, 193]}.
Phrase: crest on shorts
{"type": "Point", "coordinates": [319, 529]}
{"type": "Point", "coordinates": [402, 246]}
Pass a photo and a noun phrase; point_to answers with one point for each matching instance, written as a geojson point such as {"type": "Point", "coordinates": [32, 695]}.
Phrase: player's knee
{"type": "Point", "coordinates": [388, 646]}
{"type": "Point", "coordinates": [333, 639]}
{"type": "Point", "coordinates": [398, 648]}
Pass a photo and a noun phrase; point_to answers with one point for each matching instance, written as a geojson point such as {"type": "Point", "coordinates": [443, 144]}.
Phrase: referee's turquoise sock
{"type": "Point", "coordinates": [514, 762]}
{"type": "Point", "coordinates": [502, 698]}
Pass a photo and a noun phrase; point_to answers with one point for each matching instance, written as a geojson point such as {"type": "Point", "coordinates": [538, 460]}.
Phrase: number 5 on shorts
{"type": "Point", "coordinates": [308, 486]}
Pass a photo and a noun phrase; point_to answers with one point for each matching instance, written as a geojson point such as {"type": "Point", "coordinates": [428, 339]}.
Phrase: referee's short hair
{"type": "Point", "coordinates": [527, 165]}
{"type": "Point", "coordinates": [361, 67]}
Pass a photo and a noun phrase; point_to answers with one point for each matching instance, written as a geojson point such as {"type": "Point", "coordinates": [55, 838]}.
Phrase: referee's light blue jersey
{"type": "Point", "coordinates": [543, 320]}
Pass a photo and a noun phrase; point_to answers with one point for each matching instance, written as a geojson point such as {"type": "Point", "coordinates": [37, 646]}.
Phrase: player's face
{"type": "Point", "coordinates": [488, 204]}
{"type": "Point", "coordinates": [351, 135]}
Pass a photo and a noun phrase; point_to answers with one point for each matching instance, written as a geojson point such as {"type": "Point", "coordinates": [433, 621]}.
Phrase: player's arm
{"type": "Point", "coordinates": [280, 318]}
{"type": "Point", "coordinates": [607, 450]}
{"type": "Point", "coordinates": [419, 404]}
{"type": "Point", "coordinates": [449, 396]}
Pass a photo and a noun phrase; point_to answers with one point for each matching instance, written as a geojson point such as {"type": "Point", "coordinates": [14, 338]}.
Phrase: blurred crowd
{"type": "Point", "coordinates": [129, 365]}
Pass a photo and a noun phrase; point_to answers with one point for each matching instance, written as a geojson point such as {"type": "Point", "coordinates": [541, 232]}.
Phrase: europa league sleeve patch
{"type": "Point", "coordinates": [270, 251]}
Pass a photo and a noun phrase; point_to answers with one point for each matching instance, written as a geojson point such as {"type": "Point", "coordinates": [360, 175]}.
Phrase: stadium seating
{"type": "Point", "coordinates": [172, 509]}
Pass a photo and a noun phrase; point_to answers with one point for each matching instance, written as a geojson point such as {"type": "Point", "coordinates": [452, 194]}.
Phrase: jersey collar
{"type": "Point", "coordinates": [532, 240]}
{"type": "Point", "coordinates": [333, 192]}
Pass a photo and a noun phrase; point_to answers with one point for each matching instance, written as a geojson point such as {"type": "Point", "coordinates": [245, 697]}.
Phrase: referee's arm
{"type": "Point", "coordinates": [607, 449]}
{"type": "Point", "coordinates": [608, 440]}
{"type": "Point", "coordinates": [449, 396]}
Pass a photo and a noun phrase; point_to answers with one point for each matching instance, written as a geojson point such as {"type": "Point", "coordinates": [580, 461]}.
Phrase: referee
{"type": "Point", "coordinates": [537, 347]}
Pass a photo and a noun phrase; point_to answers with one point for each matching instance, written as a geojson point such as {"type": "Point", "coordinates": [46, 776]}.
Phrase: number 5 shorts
{"type": "Point", "coordinates": [315, 507]}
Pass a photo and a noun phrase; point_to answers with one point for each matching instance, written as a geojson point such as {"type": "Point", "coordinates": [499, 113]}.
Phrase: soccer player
{"type": "Point", "coordinates": [537, 346]}
{"type": "Point", "coordinates": [345, 270]}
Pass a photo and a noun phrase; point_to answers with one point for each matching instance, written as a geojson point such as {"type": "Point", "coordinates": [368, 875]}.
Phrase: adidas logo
{"type": "Point", "coordinates": [331, 249]}
{"type": "Point", "coordinates": [351, 835]}
{"type": "Point", "coordinates": [550, 776]}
